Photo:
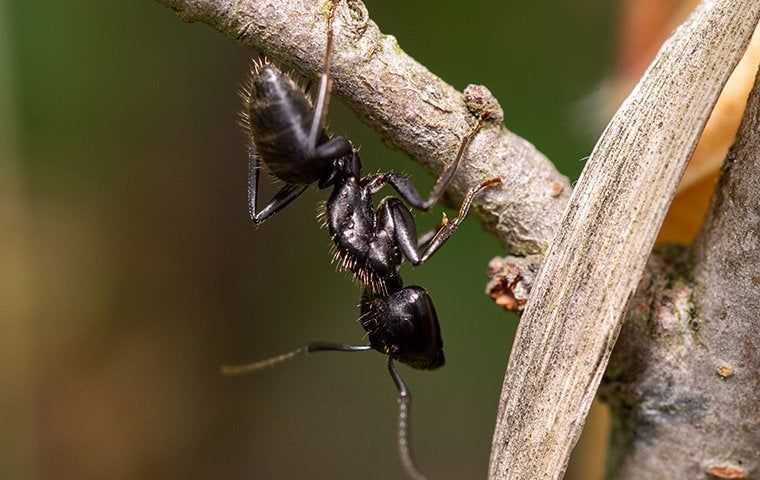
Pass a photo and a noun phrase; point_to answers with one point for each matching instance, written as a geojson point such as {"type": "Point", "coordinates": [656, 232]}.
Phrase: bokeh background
{"type": "Point", "coordinates": [129, 271]}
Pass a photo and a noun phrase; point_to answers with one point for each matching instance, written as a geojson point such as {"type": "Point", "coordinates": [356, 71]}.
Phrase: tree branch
{"type": "Point", "coordinates": [683, 381]}
{"type": "Point", "coordinates": [595, 262]}
{"type": "Point", "coordinates": [410, 107]}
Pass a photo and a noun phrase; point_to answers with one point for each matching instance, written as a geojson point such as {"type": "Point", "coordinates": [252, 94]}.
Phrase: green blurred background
{"type": "Point", "coordinates": [130, 271]}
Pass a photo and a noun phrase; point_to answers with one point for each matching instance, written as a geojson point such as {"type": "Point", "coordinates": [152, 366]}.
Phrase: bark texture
{"type": "Point", "coordinates": [594, 264]}
{"type": "Point", "coordinates": [409, 106]}
{"type": "Point", "coordinates": [683, 381]}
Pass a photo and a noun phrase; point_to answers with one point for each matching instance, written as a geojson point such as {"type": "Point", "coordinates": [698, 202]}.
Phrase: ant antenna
{"type": "Point", "coordinates": [234, 370]}
{"type": "Point", "coordinates": [404, 428]}
{"type": "Point", "coordinates": [325, 84]}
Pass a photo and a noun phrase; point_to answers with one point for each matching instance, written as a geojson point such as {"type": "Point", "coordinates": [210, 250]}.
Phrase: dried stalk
{"type": "Point", "coordinates": [595, 262]}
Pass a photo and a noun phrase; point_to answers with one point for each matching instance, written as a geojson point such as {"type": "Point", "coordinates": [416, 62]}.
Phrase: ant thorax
{"type": "Point", "coordinates": [360, 244]}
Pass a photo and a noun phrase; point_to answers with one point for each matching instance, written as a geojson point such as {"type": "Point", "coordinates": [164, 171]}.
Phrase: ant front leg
{"type": "Point", "coordinates": [403, 185]}
{"type": "Point", "coordinates": [449, 227]}
{"type": "Point", "coordinates": [427, 237]}
{"type": "Point", "coordinates": [418, 250]}
{"type": "Point", "coordinates": [281, 199]}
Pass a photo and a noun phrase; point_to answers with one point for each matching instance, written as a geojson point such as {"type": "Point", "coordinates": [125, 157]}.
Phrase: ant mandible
{"type": "Point", "coordinates": [287, 136]}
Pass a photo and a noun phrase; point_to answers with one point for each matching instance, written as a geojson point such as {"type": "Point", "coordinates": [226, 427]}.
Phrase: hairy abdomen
{"type": "Point", "coordinates": [278, 115]}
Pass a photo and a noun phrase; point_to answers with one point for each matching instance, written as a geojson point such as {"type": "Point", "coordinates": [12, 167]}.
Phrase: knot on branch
{"type": "Point", "coordinates": [356, 17]}
{"type": "Point", "coordinates": [481, 103]}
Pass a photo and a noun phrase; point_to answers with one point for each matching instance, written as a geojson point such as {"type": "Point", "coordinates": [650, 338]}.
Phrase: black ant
{"type": "Point", "coordinates": [288, 137]}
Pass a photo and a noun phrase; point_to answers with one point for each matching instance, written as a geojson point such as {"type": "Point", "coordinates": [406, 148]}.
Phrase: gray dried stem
{"type": "Point", "coordinates": [595, 262]}
{"type": "Point", "coordinates": [683, 380]}
{"type": "Point", "coordinates": [409, 106]}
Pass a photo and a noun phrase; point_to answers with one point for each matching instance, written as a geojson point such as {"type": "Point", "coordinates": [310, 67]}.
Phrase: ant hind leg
{"type": "Point", "coordinates": [281, 199]}
{"type": "Point", "coordinates": [334, 148]}
{"type": "Point", "coordinates": [406, 189]}
{"type": "Point", "coordinates": [404, 428]}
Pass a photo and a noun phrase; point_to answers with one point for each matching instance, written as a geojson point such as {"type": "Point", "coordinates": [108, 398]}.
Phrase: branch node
{"type": "Point", "coordinates": [358, 16]}
{"type": "Point", "coordinates": [482, 103]}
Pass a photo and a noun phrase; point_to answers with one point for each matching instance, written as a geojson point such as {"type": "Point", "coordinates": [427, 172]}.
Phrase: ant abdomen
{"type": "Point", "coordinates": [277, 115]}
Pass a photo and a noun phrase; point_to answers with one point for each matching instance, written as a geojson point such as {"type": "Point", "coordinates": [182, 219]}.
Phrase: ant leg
{"type": "Point", "coordinates": [281, 199]}
{"type": "Point", "coordinates": [448, 229]}
{"type": "Point", "coordinates": [323, 97]}
{"type": "Point", "coordinates": [444, 180]}
{"type": "Point", "coordinates": [404, 428]}
{"type": "Point", "coordinates": [397, 220]}
{"type": "Point", "coordinates": [403, 185]}
{"type": "Point", "coordinates": [425, 238]}
{"type": "Point", "coordinates": [308, 348]}
{"type": "Point", "coordinates": [418, 251]}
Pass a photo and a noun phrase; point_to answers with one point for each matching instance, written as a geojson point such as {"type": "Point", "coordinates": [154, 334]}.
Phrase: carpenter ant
{"type": "Point", "coordinates": [287, 136]}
